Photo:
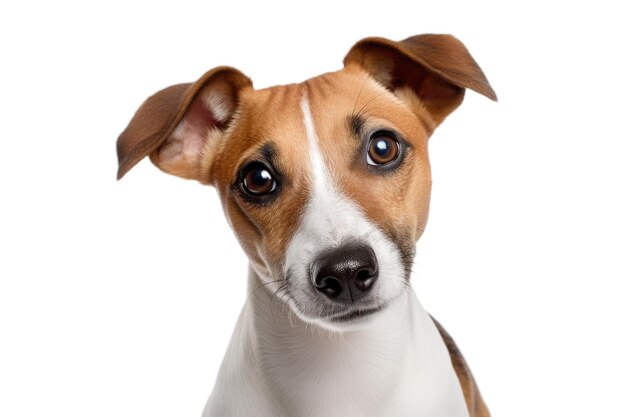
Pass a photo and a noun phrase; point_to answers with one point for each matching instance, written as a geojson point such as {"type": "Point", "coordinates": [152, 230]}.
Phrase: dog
{"type": "Point", "coordinates": [326, 185]}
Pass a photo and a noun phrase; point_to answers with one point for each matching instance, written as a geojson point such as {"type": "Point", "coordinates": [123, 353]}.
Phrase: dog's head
{"type": "Point", "coordinates": [325, 183]}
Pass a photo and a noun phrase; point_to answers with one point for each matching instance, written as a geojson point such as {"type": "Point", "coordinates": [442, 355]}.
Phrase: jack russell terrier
{"type": "Point", "coordinates": [326, 185]}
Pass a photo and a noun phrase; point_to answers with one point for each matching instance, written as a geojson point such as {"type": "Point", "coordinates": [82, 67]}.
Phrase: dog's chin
{"type": "Point", "coordinates": [351, 319]}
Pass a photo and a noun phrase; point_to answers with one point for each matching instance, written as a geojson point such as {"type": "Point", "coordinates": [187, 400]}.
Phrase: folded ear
{"type": "Point", "coordinates": [176, 125]}
{"type": "Point", "coordinates": [436, 68]}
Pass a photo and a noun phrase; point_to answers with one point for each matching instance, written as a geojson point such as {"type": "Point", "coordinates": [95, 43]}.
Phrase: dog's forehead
{"type": "Point", "coordinates": [274, 116]}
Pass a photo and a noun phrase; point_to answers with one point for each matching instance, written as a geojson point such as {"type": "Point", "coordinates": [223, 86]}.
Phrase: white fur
{"type": "Point", "coordinates": [279, 366]}
{"type": "Point", "coordinates": [283, 365]}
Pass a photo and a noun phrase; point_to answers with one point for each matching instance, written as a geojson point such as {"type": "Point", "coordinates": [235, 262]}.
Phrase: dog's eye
{"type": "Point", "coordinates": [257, 179]}
{"type": "Point", "coordinates": [383, 149]}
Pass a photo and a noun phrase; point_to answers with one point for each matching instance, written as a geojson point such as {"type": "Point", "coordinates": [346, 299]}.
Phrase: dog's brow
{"type": "Point", "coordinates": [269, 152]}
{"type": "Point", "coordinates": [356, 123]}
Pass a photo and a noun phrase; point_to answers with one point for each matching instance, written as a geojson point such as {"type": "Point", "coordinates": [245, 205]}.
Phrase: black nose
{"type": "Point", "coordinates": [345, 274]}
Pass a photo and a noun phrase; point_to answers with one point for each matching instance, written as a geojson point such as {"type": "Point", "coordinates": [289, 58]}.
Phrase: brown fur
{"type": "Point", "coordinates": [474, 400]}
{"type": "Point", "coordinates": [266, 116]}
{"type": "Point", "coordinates": [408, 86]}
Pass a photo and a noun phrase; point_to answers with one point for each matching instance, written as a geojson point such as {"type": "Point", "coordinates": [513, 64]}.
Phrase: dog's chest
{"type": "Point", "coordinates": [398, 367]}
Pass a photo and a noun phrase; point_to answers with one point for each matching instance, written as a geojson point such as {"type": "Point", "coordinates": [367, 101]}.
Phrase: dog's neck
{"type": "Point", "coordinates": [278, 365]}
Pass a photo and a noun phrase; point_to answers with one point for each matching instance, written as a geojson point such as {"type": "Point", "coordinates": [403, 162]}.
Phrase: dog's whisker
{"type": "Point", "coordinates": [273, 297]}
{"type": "Point", "coordinates": [363, 109]}
{"type": "Point", "coordinates": [357, 98]}
{"type": "Point", "coordinates": [265, 284]}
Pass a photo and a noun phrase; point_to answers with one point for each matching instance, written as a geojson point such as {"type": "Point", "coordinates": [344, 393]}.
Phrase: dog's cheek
{"type": "Point", "coordinates": [264, 232]}
{"type": "Point", "coordinates": [280, 223]}
{"type": "Point", "coordinates": [418, 202]}
{"type": "Point", "coordinates": [408, 196]}
{"type": "Point", "coordinates": [247, 233]}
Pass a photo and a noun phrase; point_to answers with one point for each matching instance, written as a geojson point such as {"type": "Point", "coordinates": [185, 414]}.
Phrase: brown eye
{"type": "Point", "coordinates": [383, 149]}
{"type": "Point", "coordinates": [258, 180]}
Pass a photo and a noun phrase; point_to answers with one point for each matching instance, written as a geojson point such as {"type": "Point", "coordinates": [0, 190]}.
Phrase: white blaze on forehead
{"type": "Point", "coordinates": [328, 212]}
{"type": "Point", "coordinates": [329, 221]}
{"type": "Point", "coordinates": [318, 167]}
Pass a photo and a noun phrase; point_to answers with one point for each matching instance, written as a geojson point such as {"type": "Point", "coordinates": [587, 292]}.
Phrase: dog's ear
{"type": "Point", "coordinates": [435, 68]}
{"type": "Point", "coordinates": [174, 125]}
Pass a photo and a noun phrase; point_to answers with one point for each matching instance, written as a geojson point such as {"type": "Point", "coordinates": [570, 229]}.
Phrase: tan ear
{"type": "Point", "coordinates": [436, 68]}
{"type": "Point", "coordinates": [174, 125]}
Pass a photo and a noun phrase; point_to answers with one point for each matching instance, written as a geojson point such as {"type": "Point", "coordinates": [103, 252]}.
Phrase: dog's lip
{"type": "Point", "coordinates": [355, 314]}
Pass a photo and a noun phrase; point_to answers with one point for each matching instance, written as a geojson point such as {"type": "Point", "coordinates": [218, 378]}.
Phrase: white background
{"type": "Point", "coordinates": [118, 298]}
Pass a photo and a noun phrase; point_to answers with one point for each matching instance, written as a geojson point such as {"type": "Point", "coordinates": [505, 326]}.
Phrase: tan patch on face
{"type": "Point", "coordinates": [396, 200]}
{"type": "Point", "coordinates": [265, 117]}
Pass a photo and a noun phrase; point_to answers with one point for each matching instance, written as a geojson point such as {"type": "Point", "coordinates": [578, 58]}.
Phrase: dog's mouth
{"type": "Point", "coordinates": [355, 314]}
{"type": "Point", "coordinates": [336, 314]}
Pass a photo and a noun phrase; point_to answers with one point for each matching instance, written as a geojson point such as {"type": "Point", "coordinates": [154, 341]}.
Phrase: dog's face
{"type": "Point", "coordinates": [325, 183]}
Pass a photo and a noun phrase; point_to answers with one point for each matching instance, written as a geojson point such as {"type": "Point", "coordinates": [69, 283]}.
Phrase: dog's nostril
{"type": "Point", "coordinates": [345, 274]}
{"type": "Point", "coordinates": [329, 286]}
{"type": "Point", "coordinates": [364, 279]}
{"type": "Point", "coordinates": [364, 274]}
